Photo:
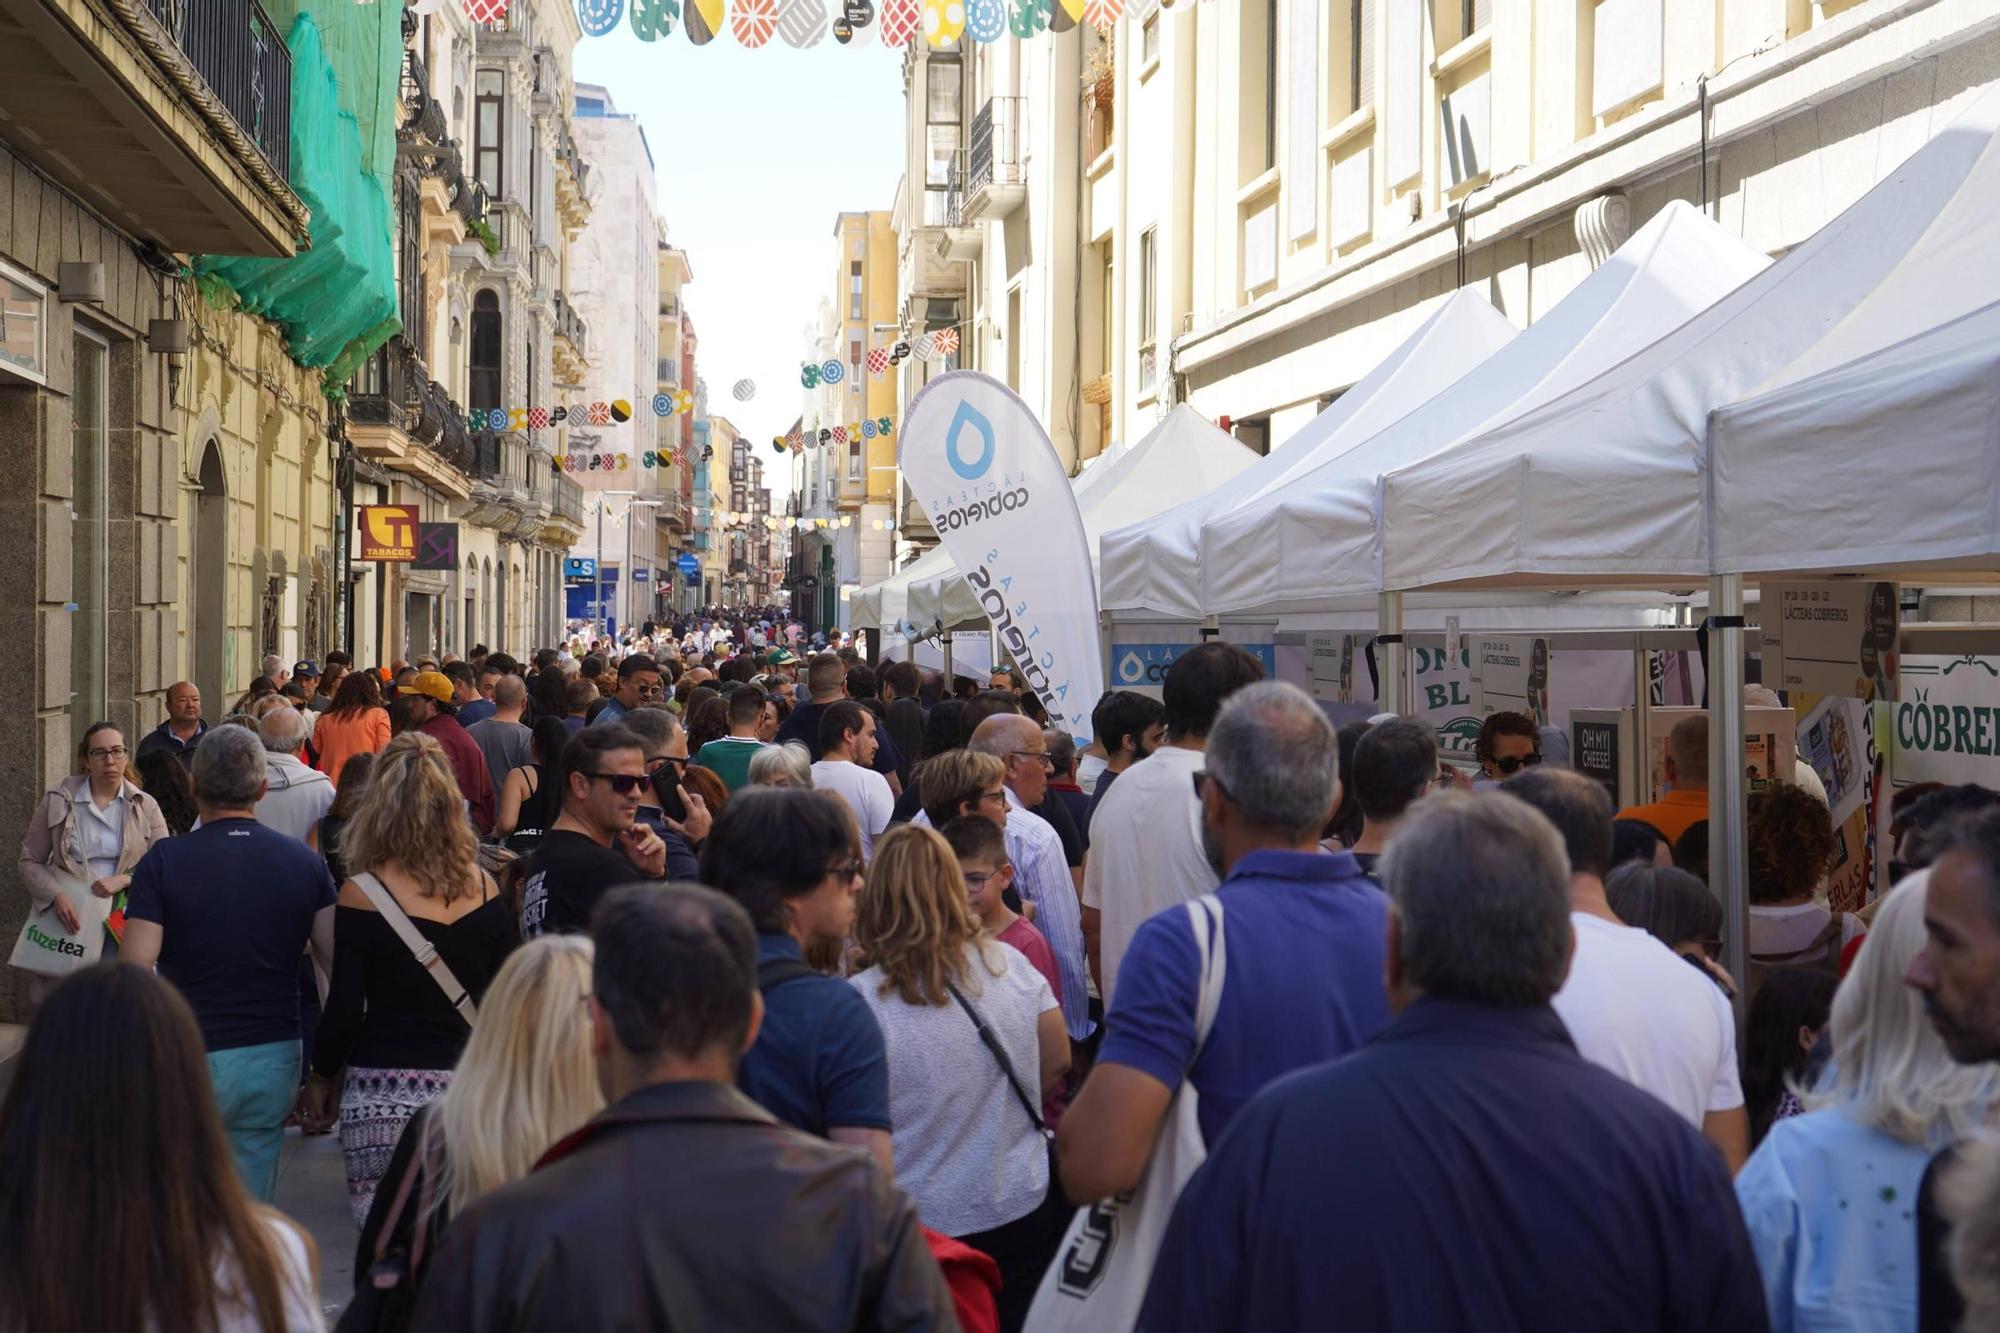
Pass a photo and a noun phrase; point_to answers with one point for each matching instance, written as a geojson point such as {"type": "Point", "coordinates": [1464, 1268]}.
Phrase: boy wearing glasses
{"type": "Point", "coordinates": [981, 850]}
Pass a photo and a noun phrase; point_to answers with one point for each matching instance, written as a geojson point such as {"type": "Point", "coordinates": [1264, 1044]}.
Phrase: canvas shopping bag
{"type": "Point", "coordinates": [46, 948]}
{"type": "Point", "coordinates": [1098, 1279]}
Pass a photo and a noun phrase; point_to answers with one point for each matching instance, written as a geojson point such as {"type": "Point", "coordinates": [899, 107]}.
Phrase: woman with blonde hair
{"type": "Point", "coordinates": [968, 1135]}
{"type": "Point", "coordinates": [389, 1024]}
{"type": "Point", "coordinates": [525, 1082]}
{"type": "Point", "coordinates": [1829, 1196]}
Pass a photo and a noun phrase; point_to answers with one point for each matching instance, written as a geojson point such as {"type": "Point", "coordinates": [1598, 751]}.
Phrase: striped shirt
{"type": "Point", "coordinates": [1041, 873]}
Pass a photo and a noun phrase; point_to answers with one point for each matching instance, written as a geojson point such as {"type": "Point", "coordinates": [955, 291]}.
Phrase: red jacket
{"type": "Point", "coordinates": [475, 780]}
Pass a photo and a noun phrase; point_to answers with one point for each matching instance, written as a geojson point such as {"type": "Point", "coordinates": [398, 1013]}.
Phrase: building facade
{"type": "Point", "coordinates": [1274, 193]}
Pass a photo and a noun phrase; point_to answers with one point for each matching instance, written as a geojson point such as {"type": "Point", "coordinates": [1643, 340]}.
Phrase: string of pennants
{"type": "Point", "coordinates": [934, 346]}
{"type": "Point", "coordinates": [798, 441]}
{"type": "Point", "coordinates": [805, 23]}
{"type": "Point", "coordinates": [614, 413]}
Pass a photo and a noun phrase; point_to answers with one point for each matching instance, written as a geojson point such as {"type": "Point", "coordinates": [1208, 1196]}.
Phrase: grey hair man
{"type": "Point", "coordinates": [274, 670]}
{"type": "Point", "coordinates": [297, 796]}
{"type": "Point", "coordinates": [1275, 1227]}
{"type": "Point", "coordinates": [1303, 941]}
{"type": "Point", "coordinates": [224, 913]}
{"type": "Point", "coordinates": [679, 816]}
{"type": "Point", "coordinates": [1632, 1004]}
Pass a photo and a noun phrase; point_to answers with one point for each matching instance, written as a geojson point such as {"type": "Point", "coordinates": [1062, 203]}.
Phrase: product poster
{"type": "Point", "coordinates": [1512, 675]}
{"type": "Point", "coordinates": [1835, 638]}
{"type": "Point", "coordinates": [1948, 728]}
{"type": "Point", "coordinates": [1594, 753]}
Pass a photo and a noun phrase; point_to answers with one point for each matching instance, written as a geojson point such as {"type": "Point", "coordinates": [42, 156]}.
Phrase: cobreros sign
{"type": "Point", "coordinates": [1001, 501]}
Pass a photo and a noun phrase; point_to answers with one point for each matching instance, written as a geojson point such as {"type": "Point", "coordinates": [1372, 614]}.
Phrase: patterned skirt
{"type": "Point", "coordinates": [375, 1104]}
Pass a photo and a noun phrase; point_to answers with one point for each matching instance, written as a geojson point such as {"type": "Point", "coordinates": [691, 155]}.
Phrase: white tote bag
{"type": "Point", "coordinates": [1098, 1279]}
{"type": "Point", "coordinates": [46, 948]}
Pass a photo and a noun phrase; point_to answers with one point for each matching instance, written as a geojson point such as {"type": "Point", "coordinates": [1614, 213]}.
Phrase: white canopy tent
{"type": "Point", "coordinates": [1611, 485]}
{"type": "Point", "coordinates": [1889, 463]}
{"type": "Point", "coordinates": [1153, 569]}
{"type": "Point", "coordinates": [1605, 484]}
{"type": "Point", "coordinates": [1311, 543]}
{"type": "Point", "coordinates": [1182, 457]}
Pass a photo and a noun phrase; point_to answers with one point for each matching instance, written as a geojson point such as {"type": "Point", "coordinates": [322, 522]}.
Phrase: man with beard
{"type": "Point", "coordinates": [1958, 973]}
{"type": "Point", "coordinates": [1303, 935]}
{"type": "Point", "coordinates": [1146, 832]}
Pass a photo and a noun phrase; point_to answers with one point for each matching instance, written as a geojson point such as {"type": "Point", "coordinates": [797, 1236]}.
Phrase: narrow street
{"type": "Point", "coordinates": [312, 1190]}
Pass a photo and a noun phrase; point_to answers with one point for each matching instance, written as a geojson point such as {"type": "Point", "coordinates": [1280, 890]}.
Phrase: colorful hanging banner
{"type": "Point", "coordinates": [805, 23]}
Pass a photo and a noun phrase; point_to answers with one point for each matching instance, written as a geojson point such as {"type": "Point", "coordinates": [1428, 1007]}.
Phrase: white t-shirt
{"type": "Point", "coordinates": [236, 1314]}
{"type": "Point", "coordinates": [1145, 852]}
{"type": "Point", "coordinates": [1776, 932]}
{"type": "Point", "coordinates": [1088, 769]}
{"type": "Point", "coordinates": [1640, 1010]}
{"type": "Point", "coordinates": [965, 1148]}
{"type": "Point", "coordinates": [866, 793]}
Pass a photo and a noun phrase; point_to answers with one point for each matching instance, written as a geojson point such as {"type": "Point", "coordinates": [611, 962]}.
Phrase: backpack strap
{"type": "Point", "coordinates": [420, 948]}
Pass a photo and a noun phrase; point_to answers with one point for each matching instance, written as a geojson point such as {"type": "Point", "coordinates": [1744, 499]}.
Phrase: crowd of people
{"type": "Point", "coordinates": [718, 978]}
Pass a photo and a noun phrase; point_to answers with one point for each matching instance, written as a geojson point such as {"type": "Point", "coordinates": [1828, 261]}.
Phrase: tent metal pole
{"type": "Point", "coordinates": [944, 642]}
{"type": "Point", "coordinates": [1728, 872]}
{"type": "Point", "coordinates": [1640, 767]}
{"type": "Point", "coordinates": [1389, 633]}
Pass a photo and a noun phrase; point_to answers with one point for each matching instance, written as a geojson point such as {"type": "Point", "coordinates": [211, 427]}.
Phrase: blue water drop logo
{"type": "Point", "coordinates": [969, 418]}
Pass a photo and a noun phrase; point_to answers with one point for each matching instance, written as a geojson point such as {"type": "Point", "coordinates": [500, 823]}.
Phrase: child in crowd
{"type": "Point", "coordinates": [981, 850]}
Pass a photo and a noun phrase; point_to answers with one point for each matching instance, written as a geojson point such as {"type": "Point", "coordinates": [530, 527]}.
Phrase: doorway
{"type": "Point", "coordinates": [211, 583]}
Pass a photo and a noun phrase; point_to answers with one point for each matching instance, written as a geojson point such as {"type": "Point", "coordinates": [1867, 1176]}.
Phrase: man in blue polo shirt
{"type": "Point", "coordinates": [1303, 934]}
{"type": "Point", "coordinates": [1467, 1170]}
{"type": "Point", "coordinates": [819, 1063]}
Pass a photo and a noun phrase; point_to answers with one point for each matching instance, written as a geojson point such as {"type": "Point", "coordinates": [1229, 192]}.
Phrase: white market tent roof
{"type": "Point", "coordinates": [1888, 463]}
{"type": "Point", "coordinates": [1606, 484]}
{"type": "Point", "coordinates": [1312, 543]}
{"type": "Point", "coordinates": [884, 604]}
{"type": "Point", "coordinates": [1182, 457]}
{"type": "Point", "coordinates": [1155, 566]}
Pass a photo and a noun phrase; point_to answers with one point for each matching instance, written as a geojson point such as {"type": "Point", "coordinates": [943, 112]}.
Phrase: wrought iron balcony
{"type": "Point", "coordinates": [567, 500]}
{"type": "Point", "coordinates": [243, 58]}
{"type": "Point", "coordinates": [994, 184]}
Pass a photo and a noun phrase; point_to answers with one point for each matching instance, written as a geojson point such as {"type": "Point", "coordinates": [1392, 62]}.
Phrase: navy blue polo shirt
{"type": "Point", "coordinates": [1467, 1170]}
{"type": "Point", "coordinates": [1304, 934]}
{"type": "Point", "coordinates": [235, 903]}
{"type": "Point", "coordinates": [819, 1062]}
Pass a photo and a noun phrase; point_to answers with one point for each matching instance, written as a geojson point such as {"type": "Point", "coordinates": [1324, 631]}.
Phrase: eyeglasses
{"type": "Point", "coordinates": [651, 691]}
{"type": "Point", "coordinates": [979, 879]}
{"type": "Point", "coordinates": [1513, 762]}
{"type": "Point", "coordinates": [847, 869]}
{"type": "Point", "coordinates": [622, 783]}
{"type": "Point", "coordinates": [998, 797]}
{"type": "Point", "coordinates": [115, 752]}
{"type": "Point", "coordinates": [1039, 756]}
{"type": "Point", "coordinates": [665, 762]}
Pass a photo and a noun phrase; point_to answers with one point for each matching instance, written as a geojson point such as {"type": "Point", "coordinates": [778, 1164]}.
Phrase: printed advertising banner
{"type": "Point", "coordinates": [388, 533]}
{"type": "Point", "coordinates": [1831, 638]}
{"type": "Point", "coordinates": [1001, 502]}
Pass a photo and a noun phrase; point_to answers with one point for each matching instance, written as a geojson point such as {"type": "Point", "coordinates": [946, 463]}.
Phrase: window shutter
{"type": "Point", "coordinates": [1363, 13]}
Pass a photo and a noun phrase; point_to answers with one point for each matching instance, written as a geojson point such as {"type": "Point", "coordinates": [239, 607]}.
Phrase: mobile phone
{"type": "Point", "coordinates": [667, 787]}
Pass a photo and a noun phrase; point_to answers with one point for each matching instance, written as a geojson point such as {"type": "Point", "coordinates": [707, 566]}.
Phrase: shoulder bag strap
{"type": "Point", "coordinates": [992, 1040]}
{"type": "Point", "coordinates": [387, 1235]}
{"type": "Point", "coordinates": [420, 948]}
{"type": "Point", "coordinates": [1205, 918]}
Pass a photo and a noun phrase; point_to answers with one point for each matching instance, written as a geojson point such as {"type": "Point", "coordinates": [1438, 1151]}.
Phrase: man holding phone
{"type": "Point", "coordinates": [665, 806]}
{"type": "Point", "coordinates": [595, 845]}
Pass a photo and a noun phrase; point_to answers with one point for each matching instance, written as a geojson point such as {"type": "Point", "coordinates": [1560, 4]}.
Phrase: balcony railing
{"type": "Point", "coordinates": [569, 323]}
{"type": "Point", "coordinates": [567, 500]}
{"type": "Point", "coordinates": [993, 151]}
{"type": "Point", "coordinates": [239, 52]}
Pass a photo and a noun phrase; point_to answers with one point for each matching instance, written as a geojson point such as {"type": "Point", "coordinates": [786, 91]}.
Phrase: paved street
{"type": "Point", "coordinates": [312, 1190]}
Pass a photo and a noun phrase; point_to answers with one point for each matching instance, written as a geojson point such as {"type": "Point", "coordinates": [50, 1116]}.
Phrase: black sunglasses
{"type": "Point", "coordinates": [659, 772]}
{"type": "Point", "coordinates": [848, 869]}
{"type": "Point", "coordinates": [623, 783]}
{"type": "Point", "coordinates": [1512, 762]}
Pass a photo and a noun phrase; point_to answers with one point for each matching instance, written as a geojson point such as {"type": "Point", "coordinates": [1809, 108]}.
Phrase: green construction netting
{"type": "Point", "coordinates": [337, 300]}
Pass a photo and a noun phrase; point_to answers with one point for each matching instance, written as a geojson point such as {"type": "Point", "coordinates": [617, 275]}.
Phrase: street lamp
{"type": "Point", "coordinates": [631, 581]}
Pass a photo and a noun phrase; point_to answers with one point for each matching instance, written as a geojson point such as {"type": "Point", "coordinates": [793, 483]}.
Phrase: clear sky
{"type": "Point", "coordinates": [755, 152]}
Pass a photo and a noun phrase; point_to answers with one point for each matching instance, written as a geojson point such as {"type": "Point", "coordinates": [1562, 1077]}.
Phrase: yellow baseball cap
{"type": "Point", "coordinates": [434, 684]}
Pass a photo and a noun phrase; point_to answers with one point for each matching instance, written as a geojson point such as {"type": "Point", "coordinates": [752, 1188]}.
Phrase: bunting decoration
{"type": "Point", "coordinates": [900, 21]}
{"type": "Point", "coordinates": [802, 23]}
{"type": "Point", "coordinates": [754, 22]}
{"type": "Point", "coordinates": [933, 346]}
{"type": "Point", "coordinates": [654, 19]}
{"type": "Point", "coordinates": [986, 20]}
{"type": "Point", "coordinates": [599, 17]}
{"type": "Point", "coordinates": [944, 343]}
{"type": "Point", "coordinates": [745, 390]}
{"type": "Point", "coordinates": [805, 23]}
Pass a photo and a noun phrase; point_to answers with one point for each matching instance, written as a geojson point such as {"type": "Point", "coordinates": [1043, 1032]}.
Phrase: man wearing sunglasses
{"type": "Point", "coordinates": [595, 845]}
{"type": "Point", "coordinates": [1508, 743]}
{"type": "Point", "coordinates": [639, 682]}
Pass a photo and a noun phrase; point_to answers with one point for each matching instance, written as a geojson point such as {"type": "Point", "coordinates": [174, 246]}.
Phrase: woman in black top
{"type": "Point", "coordinates": [389, 1027]}
{"type": "Point", "coordinates": [325, 836]}
{"type": "Point", "coordinates": [531, 797]}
